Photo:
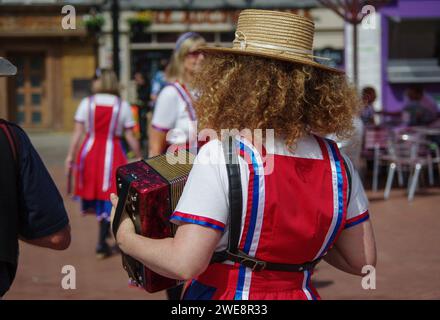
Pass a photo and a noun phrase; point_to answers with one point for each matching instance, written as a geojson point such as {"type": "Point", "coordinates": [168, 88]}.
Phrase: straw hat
{"type": "Point", "coordinates": [276, 35]}
{"type": "Point", "coordinates": [7, 68]}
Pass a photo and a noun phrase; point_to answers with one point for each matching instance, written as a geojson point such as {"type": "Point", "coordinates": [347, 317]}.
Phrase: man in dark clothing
{"type": "Point", "coordinates": [31, 208]}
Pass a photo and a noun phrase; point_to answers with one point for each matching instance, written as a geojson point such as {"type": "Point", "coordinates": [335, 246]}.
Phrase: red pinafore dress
{"type": "Point", "coordinates": [100, 155]}
{"type": "Point", "coordinates": [293, 215]}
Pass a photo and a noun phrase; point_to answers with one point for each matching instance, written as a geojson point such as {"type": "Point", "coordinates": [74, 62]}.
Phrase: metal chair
{"type": "Point", "coordinates": [375, 144]}
{"type": "Point", "coordinates": [412, 153]}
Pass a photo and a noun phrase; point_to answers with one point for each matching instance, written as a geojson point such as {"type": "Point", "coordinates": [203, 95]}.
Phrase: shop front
{"type": "Point", "coordinates": [55, 66]}
{"type": "Point", "coordinates": [410, 50]}
{"type": "Point", "coordinates": [398, 50]}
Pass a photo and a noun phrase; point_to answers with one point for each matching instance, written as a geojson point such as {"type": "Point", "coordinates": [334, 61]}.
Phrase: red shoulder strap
{"type": "Point", "coordinates": [12, 138]}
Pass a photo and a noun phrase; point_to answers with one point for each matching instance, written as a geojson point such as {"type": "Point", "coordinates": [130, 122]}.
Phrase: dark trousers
{"type": "Point", "coordinates": [104, 233]}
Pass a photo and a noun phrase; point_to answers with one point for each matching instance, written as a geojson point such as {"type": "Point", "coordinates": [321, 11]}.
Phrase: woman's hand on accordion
{"type": "Point", "coordinates": [126, 227]}
{"type": "Point", "coordinates": [183, 257]}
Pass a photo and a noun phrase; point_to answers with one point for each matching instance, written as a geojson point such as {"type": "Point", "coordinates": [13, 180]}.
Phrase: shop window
{"type": "Point", "coordinates": [414, 51]}
{"type": "Point", "coordinates": [36, 81]}
{"type": "Point", "coordinates": [36, 99]}
{"type": "Point", "coordinates": [414, 39]}
{"type": "Point", "coordinates": [36, 117]}
{"type": "Point", "coordinates": [20, 99]}
{"type": "Point", "coordinates": [36, 63]}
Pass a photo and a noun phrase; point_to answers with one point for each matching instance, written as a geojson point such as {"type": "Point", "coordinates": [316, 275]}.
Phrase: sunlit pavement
{"type": "Point", "coordinates": [407, 234]}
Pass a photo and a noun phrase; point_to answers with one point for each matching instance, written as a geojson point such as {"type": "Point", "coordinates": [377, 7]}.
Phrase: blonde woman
{"type": "Point", "coordinates": [174, 115]}
{"type": "Point", "coordinates": [104, 117]}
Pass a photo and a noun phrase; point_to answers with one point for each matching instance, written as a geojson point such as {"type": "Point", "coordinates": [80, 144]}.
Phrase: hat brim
{"type": "Point", "coordinates": [270, 56]}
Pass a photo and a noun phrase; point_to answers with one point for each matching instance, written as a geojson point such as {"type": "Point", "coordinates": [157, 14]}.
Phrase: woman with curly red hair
{"type": "Point", "coordinates": [307, 205]}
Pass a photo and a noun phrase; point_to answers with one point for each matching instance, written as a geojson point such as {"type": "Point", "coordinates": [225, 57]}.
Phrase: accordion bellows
{"type": "Point", "coordinates": [154, 188]}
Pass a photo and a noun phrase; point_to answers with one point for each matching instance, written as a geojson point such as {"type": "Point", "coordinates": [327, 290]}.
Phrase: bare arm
{"type": "Point", "coordinates": [74, 143]}
{"type": "Point", "coordinates": [58, 241]}
{"type": "Point", "coordinates": [354, 249]}
{"type": "Point", "coordinates": [157, 142]}
{"type": "Point", "coordinates": [133, 143]}
{"type": "Point", "coordinates": [183, 257]}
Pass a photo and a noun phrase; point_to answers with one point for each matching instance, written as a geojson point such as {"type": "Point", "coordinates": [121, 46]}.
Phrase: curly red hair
{"type": "Point", "coordinates": [248, 92]}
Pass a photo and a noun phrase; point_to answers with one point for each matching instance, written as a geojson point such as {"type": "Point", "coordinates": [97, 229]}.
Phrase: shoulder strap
{"type": "Point", "coordinates": [12, 139]}
{"type": "Point", "coordinates": [186, 96]}
{"type": "Point", "coordinates": [235, 193]}
{"type": "Point", "coordinates": [235, 201]}
{"type": "Point", "coordinates": [235, 211]}
{"type": "Point", "coordinates": [347, 169]}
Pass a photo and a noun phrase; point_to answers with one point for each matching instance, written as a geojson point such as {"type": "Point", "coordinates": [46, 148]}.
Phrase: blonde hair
{"type": "Point", "coordinates": [107, 82]}
{"type": "Point", "coordinates": [176, 69]}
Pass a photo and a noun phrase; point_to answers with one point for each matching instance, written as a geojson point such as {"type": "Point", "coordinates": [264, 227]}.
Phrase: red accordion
{"type": "Point", "coordinates": [148, 191]}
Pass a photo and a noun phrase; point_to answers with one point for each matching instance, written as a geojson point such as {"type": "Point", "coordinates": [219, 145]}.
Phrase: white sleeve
{"type": "Point", "coordinates": [127, 116]}
{"type": "Point", "coordinates": [204, 198]}
{"type": "Point", "coordinates": [166, 109]}
{"type": "Point", "coordinates": [358, 207]}
{"type": "Point", "coordinates": [82, 112]}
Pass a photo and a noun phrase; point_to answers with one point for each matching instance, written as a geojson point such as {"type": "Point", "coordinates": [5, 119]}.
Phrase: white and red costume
{"type": "Point", "coordinates": [105, 117]}
{"type": "Point", "coordinates": [174, 114]}
{"type": "Point", "coordinates": [292, 215]}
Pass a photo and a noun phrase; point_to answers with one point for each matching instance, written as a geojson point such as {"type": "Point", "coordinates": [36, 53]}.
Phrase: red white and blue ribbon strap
{"type": "Point", "coordinates": [186, 96]}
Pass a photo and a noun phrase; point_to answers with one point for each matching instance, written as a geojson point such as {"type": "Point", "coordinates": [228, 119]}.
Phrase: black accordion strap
{"type": "Point", "coordinates": [235, 211]}
{"type": "Point", "coordinates": [235, 193]}
{"type": "Point", "coordinates": [122, 194]}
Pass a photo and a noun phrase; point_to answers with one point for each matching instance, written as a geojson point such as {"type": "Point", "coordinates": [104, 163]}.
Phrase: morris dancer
{"type": "Point", "coordinates": [104, 117]}
{"type": "Point", "coordinates": [174, 113]}
{"type": "Point", "coordinates": [310, 206]}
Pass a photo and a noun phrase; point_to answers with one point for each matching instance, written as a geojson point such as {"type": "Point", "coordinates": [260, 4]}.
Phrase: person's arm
{"type": "Point", "coordinates": [201, 214]}
{"type": "Point", "coordinates": [157, 142]}
{"type": "Point", "coordinates": [74, 144]}
{"type": "Point", "coordinates": [43, 220]}
{"type": "Point", "coordinates": [133, 143]}
{"type": "Point", "coordinates": [59, 240]}
{"type": "Point", "coordinates": [183, 257]}
{"type": "Point", "coordinates": [354, 249]}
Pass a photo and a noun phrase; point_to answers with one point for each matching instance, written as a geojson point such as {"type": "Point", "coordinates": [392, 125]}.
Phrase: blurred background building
{"type": "Point", "coordinates": [399, 47]}
{"type": "Point", "coordinates": [56, 64]}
